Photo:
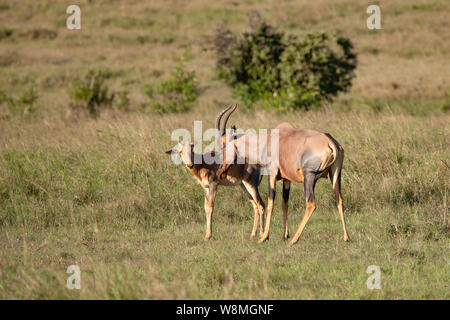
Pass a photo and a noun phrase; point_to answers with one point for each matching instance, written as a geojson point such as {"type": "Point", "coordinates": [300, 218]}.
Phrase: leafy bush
{"type": "Point", "coordinates": [8, 100]}
{"type": "Point", "coordinates": [176, 94]}
{"type": "Point", "coordinates": [265, 67]}
{"type": "Point", "coordinates": [5, 33]}
{"type": "Point", "coordinates": [91, 92]}
{"type": "Point", "coordinates": [28, 99]}
{"type": "Point", "coordinates": [24, 105]}
{"type": "Point", "coordinates": [124, 101]}
{"type": "Point", "coordinates": [39, 34]}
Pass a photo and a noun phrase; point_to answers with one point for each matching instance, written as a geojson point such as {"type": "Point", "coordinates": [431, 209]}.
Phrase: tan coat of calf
{"type": "Point", "coordinates": [246, 176]}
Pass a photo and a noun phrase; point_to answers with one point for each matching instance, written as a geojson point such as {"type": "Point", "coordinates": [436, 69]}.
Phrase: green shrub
{"type": "Point", "coordinates": [124, 101]}
{"type": "Point", "coordinates": [176, 94]}
{"type": "Point", "coordinates": [446, 105]}
{"type": "Point", "coordinates": [39, 33]}
{"type": "Point", "coordinates": [5, 33]}
{"type": "Point", "coordinates": [8, 100]}
{"type": "Point", "coordinates": [91, 93]}
{"type": "Point", "coordinates": [267, 68]}
{"type": "Point", "coordinates": [28, 99]}
{"type": "Point", "coordinates": [24, 105]}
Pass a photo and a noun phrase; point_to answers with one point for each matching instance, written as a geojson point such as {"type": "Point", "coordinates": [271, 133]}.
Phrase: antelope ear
{"type": "Point", "coordinates": [169, 151]}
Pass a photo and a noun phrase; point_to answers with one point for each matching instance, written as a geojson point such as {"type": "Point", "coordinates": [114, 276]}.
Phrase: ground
{"type": "Point", "coordinates": [101, 194]}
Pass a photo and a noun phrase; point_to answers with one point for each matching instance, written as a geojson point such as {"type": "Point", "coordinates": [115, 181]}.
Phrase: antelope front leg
{"type": "Point", "coordinates": [210, 195]}
{"type": "Point", "coordinates": [272, 192]}
{"type": "Point", "coordinates": [255, 219]}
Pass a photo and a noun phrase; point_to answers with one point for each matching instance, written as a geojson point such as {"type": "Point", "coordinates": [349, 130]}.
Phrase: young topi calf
{"type": "Point", "coordinates": [244, 175]}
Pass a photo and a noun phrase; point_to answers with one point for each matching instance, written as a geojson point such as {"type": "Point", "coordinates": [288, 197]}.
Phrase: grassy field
{"type": "Point", "coordinates": [101, 193]}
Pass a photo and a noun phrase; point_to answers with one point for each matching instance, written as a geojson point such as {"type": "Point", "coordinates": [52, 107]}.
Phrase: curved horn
{"type": "Point", "coordinates": [226, 115]}
{"type": "Point", "coordinates": [219, 117]}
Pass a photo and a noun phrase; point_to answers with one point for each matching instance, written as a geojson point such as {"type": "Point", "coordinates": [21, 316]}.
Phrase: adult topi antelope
{"type": "Point", "coordinates": [244, 175]}
{"type": "Point", "coordinates": [294, 155]}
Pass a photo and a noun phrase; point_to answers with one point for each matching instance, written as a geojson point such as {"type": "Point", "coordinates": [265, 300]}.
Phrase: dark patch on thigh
{"type": "Point", "coordinates": [310, 161]}
{"type": "Point", "coordinates": [255, 175]}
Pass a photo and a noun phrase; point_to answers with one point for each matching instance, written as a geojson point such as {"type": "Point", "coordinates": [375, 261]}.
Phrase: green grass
{"type": "Point", "coordinates": [112, 202]}
{"type": "Point", "coordinates": [101, 193]}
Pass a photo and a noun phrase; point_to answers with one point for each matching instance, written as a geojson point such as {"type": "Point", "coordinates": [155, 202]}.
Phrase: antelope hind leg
{"type": "Point", "coordinates": [336, 180]}
{"type": "Point", "coordinates": [286, 190]}
{"type": "Point", "coordinates": [309, 184]}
